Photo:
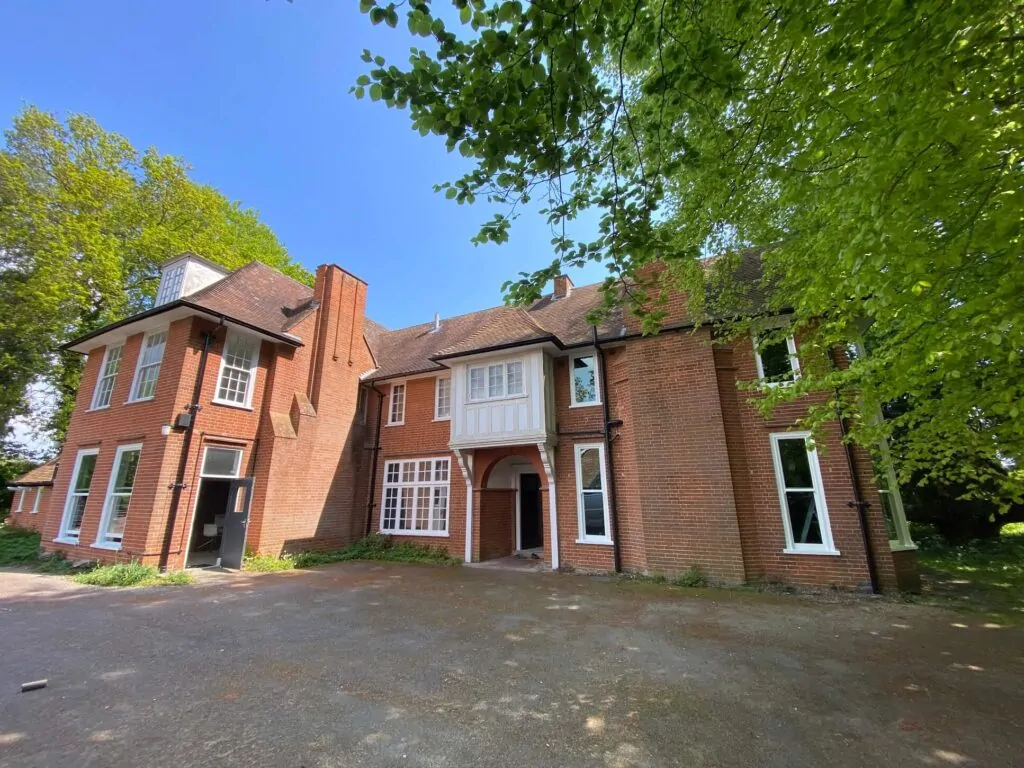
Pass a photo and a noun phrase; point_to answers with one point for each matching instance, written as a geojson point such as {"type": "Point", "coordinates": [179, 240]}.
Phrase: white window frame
{"type": "Point", "coordinates": [132, 395]}
{"type": "Point", "coordinates": [171, 283]}
{"type": "Point", "coordinates": [581, 529]}
{"type": "Point", "coordinates": [254, 362]}
{"type": "Point", "coordinates": [103, 539]}
{"type": "Point", "coordinates": [827, 547]}
{"type": "Point", "coordinates": [439, 382]}
{"type": "Point", "coordinates": [104, 375]}
{"type": "Point", "coordinates": [415, 485]}
{"type": "Point", "coordinates": [573, 402]}
{"type": "Point", "coordinates": [794, 364]}
{"type": "Point", "coordinates": [395, 387]}
{"type": "Point", "coordinates": [63, 536]}
{"type": "Point", "coordinates": [485, 367]}
{"type": "Point", "coordinates": [35, 503]}
{"type": "Point", "coordinates": [21, 500]}
{"type": "Point", "coordinates": [236, 472]}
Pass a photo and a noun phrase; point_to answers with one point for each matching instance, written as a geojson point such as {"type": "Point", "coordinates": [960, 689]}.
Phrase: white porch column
{"type": "Point", "coordinates": [547, 458]}
{"type": "Point", "coordinates": [465, 459]}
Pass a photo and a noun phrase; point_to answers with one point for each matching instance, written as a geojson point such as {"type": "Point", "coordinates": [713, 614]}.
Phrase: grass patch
{"type": "Point", "coordinates": [267, 563]}
{"type": "Point", "coordinates": [376, 546]}
{"type": "Point", "coordinates": [130, 575]}
{"type": "Point", "coordinates": [18, 546]}
{"type": "Point", "coordinates": [985, 576]}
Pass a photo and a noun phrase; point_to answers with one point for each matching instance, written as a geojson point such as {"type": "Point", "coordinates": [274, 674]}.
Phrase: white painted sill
{"type": "Point", "coordinates": [228, 404]}
{"type": "Point", "coordinates": [395, 424]}
{"type": "Point", "coordinates": [113, 546]}
{"type": "Point", "coordinates": [98, 408]}
{"type": "Point", "coordinates": [585, 405]}
{"type": "Point", "coordinates": [442, 418]}
{"type": "Point", "coordinates": [816, 552]}
{"type": "Point", "coordinates": [502, 399]}
{"type": "Point", "coordinates": [599, 542]}
{"type": "Point", "coordinates": [140, 400]}
{"type": "Point", "coordinates": [65, 540]}
{"type": "Point", "coordinates": [895, 546]}
{"type": "Point", "coordinates": [434, 534]}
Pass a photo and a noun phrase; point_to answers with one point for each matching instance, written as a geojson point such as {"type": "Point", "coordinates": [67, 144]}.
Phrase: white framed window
{"type": "Point", "coordinates": [39, 497]}
{"type": "Point", "coordinates": [170, 285]}
{"type": "Point", "coordinates": [221, 462]}
{"type": "Point", "coordinates": [443, 398]}
{"type": "Point", "coordinates": [147, 369]}
{"type": "Point", "coordinates": [119, 496]}
{"type": "Point", "coordinates": [777, 362]}
{"type": "Point", "coordinates": [21, 499]}
{"type": "Point", "coordinates": [416, 497]}
{"type": "Point", "coordinates": [892, 501]}
{"type": "Point", "coordinates": [237, 378]}
{"type": "Point", "coordinates": [591, 494]}
{"type": "Point", "coordinates": [109, 367]}
{"type": "Point", "coordinates": [78, 495]}
{"type": "Point", "coordinates": [496, 381]}
{"type": "Point", "coordinates": [396, 405]}
{"type": "Point", "coordinates": [584, 384]}
{"type": "Point", "coordinates": [801, 494]}
{"type": "Point", "coordinates": [361, 400]}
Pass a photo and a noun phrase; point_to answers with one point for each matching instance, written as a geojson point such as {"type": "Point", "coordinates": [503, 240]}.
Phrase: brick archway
{"type": "Point", "coordinates": [486, 459]}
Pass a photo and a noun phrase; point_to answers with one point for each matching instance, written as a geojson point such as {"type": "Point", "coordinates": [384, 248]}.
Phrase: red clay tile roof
{"type": "Point", "coordinates": [41, 475]}
{"type": "Point", "coordinates": [259, 296]}
{"type": "Point", "coordinates": [563, 321]}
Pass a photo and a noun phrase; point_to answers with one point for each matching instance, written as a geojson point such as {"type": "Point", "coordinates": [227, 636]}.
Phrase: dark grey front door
{"type": "Point", "coordinates": [236, 521]}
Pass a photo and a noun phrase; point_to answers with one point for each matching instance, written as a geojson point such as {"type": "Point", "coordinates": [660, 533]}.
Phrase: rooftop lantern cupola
{"type": "Point", "coordinates": [186, 274]}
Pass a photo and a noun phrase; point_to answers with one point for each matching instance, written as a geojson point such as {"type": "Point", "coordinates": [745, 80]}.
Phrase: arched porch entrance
{"type": "Point", "coordinates": [511, 486]}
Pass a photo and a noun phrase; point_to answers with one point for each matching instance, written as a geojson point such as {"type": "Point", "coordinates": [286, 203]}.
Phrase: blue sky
{"type": "Point", "coordinates": [254, 94]}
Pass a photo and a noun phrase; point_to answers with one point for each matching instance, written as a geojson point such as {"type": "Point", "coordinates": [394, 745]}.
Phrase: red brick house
{"type": "Point", "coordinates": [245, 410]}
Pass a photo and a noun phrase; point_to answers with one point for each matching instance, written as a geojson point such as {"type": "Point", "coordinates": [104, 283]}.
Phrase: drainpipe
{"type": "Point", "coordinates": [613, 512]}
{"type": "Point", "coordinates": [179, 484]}
{"type": "Point", "coordinates": [373, 461]}
{"type": "Point", "coordinates": [858, 502]}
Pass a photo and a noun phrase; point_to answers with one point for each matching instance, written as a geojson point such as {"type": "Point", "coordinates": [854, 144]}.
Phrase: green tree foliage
{"type": "Point", "coordinates": [85, 222]}
{"type": "Point", "coordinates": [875, 144]}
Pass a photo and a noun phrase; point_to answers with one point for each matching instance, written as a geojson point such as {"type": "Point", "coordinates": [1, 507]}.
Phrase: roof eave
{"type": "Point", "coordinates": [549, 339]}
{"type": "Point", "coordinates": [284, 338]}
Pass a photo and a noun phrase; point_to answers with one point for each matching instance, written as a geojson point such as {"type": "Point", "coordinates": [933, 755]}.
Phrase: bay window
{"type": "Point", "coordinates": [496, 381]}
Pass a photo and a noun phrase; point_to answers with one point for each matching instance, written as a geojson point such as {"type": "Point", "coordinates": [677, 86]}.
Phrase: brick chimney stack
{"type": "Point", "coordinates": [563, 286]}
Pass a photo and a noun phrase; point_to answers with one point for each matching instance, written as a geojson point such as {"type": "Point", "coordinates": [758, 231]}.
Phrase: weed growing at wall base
{"type": "Point", "coordinates": [376, 546]}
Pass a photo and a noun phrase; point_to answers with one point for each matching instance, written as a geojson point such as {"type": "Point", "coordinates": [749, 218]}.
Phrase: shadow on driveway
{"type": "Point", "coordinates": [365, 664]}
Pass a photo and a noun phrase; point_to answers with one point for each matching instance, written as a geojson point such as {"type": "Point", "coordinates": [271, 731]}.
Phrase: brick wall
{"type": "Point", "coordinates": [27, 498]}
{"type": "Point", "coordinates": [497, 517]}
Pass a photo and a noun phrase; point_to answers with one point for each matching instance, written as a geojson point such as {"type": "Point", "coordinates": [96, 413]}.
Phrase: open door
{"type": "Point", "coordinates": [236, 522]}
{"type": "Point", "coordinates": [531, 528]}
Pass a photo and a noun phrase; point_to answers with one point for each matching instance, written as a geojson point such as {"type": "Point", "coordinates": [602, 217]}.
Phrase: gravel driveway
{"type": "Point", "coordinates": [400, 665]}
